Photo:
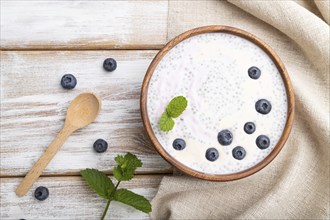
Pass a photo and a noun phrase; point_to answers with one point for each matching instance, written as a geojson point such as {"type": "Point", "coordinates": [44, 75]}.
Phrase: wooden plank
{"type": "Point", "coordinates": [83, 24]}
{"type": "Point", "coordinates": [33, 108]}
{"type": "Point", "coordinates": [71, 198]}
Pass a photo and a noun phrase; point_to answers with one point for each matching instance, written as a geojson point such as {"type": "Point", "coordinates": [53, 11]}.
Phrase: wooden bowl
{"type": "Point", "coordinates": [287, 84]}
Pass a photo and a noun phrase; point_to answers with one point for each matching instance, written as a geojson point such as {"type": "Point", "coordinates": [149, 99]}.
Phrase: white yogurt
{"type": "Point", "coordinates": [210, 70]}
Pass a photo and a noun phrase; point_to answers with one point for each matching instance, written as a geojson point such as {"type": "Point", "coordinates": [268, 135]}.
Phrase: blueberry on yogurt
{"type": "Point", "coordinates": [179, 144]}
{"type": "Point", "coordinates": [249, 127]}
{"type": "Point", "coordinates": [212, 154]}
{"type": "Point", "coordinates": [262, 142]}
{"type": "Point", "coordinates": [254, 72]}
{"type": "Point", "coordinates": [263, 106]}
{"type": "Point", "coordinates": [225, 137]}
{"type": "Point", "coordinates": [239, 153]}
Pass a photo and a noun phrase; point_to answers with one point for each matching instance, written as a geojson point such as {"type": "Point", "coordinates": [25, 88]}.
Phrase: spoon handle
{"type": "Point", "coordinates": [43, 161]}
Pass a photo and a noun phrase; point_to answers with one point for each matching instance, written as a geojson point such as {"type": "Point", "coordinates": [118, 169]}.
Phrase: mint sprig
{"type": "Point", "coordinates": [173, 110]}
{"type": "Point", "coordinates": [104, 187]}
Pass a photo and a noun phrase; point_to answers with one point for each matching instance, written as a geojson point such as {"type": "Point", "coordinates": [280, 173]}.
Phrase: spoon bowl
{"type": "Point", "coordinates": [83, 110]}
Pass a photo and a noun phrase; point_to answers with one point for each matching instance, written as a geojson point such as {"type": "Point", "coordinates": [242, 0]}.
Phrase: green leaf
{"type": "Point", "coordinates": [176, 106]}
{"type": "Point", "coordinates": [117, 173]}
{"type": "Point", "coordinates": [120, 159]}
{"type": "Point", "coordinates": [98, 182]}
{"type": "Point", "coordinates": [132, 199]}
{"type": "Point", "coordinates": [126, 166]}
{"type": "Point", "coordinates": [166, 123]}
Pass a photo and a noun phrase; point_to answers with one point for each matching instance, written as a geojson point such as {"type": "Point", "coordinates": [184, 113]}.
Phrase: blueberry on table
{"type": "Point", "coordinates": [68, 81]}
{"type": "Point", "coordinates": [100, 145]}
{"type": "Point", "coordinates": [239, 153]}
{"type": "Point", "coordinates": [110, 64]}
{"type": "Point", "coordinates": [263, 141]}
{"type": "Point", "coordinates": [249, 127]}
{"type": "Point", "coordinates": [212, 154]}
{"type": "Point", "coordinates": [225, 137]}
{"type": "Point", "coordinates": [179, 144]}
{"type": "Point", "coordinates": [254, 72]}
{"type": "Point", "coordinates": [263, 106]}
{"type": "Point", "coordinates": [41, 193]}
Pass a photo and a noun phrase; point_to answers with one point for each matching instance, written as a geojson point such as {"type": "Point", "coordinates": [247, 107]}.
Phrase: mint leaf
{"type": "Point", "coordinates": [132, 199]}
{"type": "Point", "coordinates": [126, 166]}
{"type": "Point", "coordinates": [120, 159]}
{"type": "Point", "coordinates": [98, 182]}
{"type": "Point", "coordinates": [173, 110]}
{"type": "Point", "coordinates": [118, 173]}
{"type": "Point", "coordinates": [176, 106]}
{"type": "Point", "coordinates": [166, 123]}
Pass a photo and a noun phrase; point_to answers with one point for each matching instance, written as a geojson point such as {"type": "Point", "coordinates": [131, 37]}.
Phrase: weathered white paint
{"type": "Point", "coordinates": [83, 24]}
{"type": "Point", "coordinates": [33, 104]}
{"type": "Point", "coordinates": [33, 108]}
{"type": "Point", "coordinates": [71, 198]}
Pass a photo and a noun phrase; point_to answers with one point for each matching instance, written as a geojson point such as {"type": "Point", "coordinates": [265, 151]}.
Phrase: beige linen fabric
{"type": "Point", "coordinates": [296, 184]}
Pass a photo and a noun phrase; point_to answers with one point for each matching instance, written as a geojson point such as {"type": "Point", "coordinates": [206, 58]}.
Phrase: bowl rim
{"type": "Point", "coordinates": [280, 66]}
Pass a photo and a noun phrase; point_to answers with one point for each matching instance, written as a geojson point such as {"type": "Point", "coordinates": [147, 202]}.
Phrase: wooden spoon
{"type": "Point", "coordinates": [81, 112]}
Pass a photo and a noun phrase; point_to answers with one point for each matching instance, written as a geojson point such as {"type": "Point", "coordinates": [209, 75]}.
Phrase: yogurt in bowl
{"type": "Point", "coordinates": [240, 103]}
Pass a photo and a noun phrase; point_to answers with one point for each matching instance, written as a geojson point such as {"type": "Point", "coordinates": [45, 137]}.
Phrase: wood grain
{"type": "Point", "coordinates": [287, 83]}
{"type": "Point", "coordinates": [81, 112]}
{"type": "Point", "coordinates": [33, 108]}
{"type": "Point", "coordinates": [83, 24]}
{"type": "Point", "coordinates": [71, 198]}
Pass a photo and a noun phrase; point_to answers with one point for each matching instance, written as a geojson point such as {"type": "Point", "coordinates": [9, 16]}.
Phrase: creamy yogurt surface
{"type": "Point", "coordinates": [211, 71]}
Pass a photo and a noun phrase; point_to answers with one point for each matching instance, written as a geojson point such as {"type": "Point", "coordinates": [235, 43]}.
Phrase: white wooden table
{"type": "Point", "coordinates": [41, 41]}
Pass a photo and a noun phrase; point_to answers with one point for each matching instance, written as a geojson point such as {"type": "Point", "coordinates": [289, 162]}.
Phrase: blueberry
{"type": "Point", "coordinates": [225, 137]}
{"type": "Point", "coordinates": [212, 154]}
{"type": "Point", "coordinates": [179, 144]}
{"type": "Point", "coordinates": [239, 153]}
{"type": "Point", "coordinates": [68, 81]}
{"type": "Point", "coordinates": [41, 193]}
{"type": "Point", "coordinates": [100, 145]}
{"type": "Point", "coordinates": [263, 141]}
{"type": "Point", "coordinates": [254, 72]}
{"type": "Point", "coordinates": [249, 127]}
{"type": "Point", "coordinates": [110, 64]}
{"type": "Point", "coordinates": [263, 106]}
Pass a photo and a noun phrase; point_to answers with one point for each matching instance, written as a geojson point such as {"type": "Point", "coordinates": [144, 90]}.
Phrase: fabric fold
{"type": "Point", "coordinates": [301, 25]}
{"type": "Point", "coordinates": [324, 8]}
{"type": "Point", "coordinates": [295, 185]}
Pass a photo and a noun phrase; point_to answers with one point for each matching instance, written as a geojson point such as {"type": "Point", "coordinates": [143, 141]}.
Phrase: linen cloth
{"type": "Point", "coordinates": [295, 185]}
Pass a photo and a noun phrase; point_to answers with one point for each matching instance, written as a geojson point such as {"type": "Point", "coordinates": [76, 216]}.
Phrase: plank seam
{"type": "Point", "coordinates": [77, 175]}
{"type": "Point", "coordinates": [78, 50]}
